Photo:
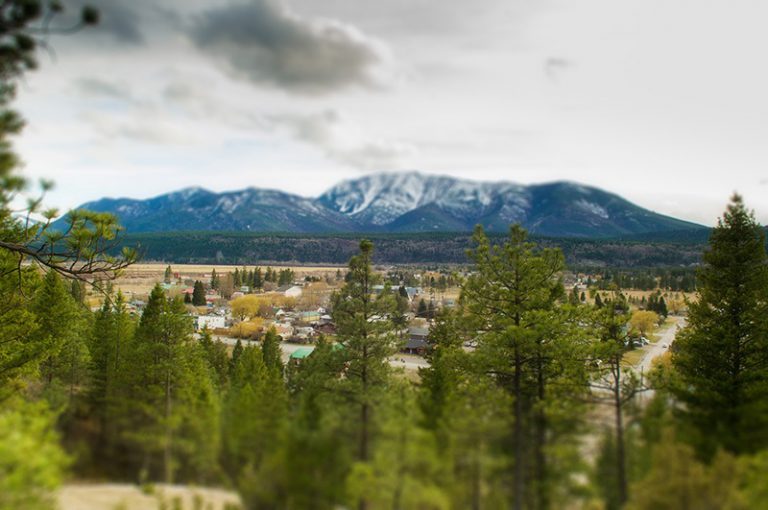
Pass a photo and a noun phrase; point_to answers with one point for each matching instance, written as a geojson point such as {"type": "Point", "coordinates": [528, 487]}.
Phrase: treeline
{"type": "Point", "coordinates": [675, 279]}
{"type": "Point", "coordinates": [245, 248]}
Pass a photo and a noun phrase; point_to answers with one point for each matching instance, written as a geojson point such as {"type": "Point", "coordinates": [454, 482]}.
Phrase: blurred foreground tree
{"type": "Point", "coordinates": [721, 356]}
{"type": "Point", "coordinates": [81, 247]}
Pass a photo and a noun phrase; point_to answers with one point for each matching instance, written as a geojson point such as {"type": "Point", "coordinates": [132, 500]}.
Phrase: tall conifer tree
{"type": "Point", "coordinates": [722, 356]}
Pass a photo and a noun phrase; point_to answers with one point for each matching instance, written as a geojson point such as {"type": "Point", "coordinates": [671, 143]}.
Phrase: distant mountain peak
{"type": "Point", "coordinates": [397, 202]}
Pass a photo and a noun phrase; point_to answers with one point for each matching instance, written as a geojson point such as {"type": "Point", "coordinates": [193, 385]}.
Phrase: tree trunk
{"type": "Point", "coordinates": [542, 496]}
{"type": "Point", "coordinates": [621, 462]}
{"type": "Point", "coordinates": [168, 431]}
{"type": "Point", "coordinates": [519, 474]}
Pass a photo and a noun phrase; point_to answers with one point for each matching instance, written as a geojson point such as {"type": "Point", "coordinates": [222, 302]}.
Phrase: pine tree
{"type": "Point", "coordinates": [270, 350]}
{"type": "Point", "coordinates": [367, 336]}
{"type": "Point", "coordinates": [254, 413]}
{"type": "Point", "coordinates": [258, 279]}
{"type": "Point", "coordinates": [111, 333]}
{"type": "Point", "coordinates": [721, 355]}
{"type": "Point", "coordinates": [168, 400]}
{"type": "Point", "coordinates": [217, 358]}
{"type": "Point", "coordinates": [512, 300]}
{"type": "Point", "coordinates": [62, 333]}
{"type": "Point", "coordinates": [598, 301]}
{"type": "Point", "coordinates": [168, 275]}
{"type": "Point", "coordinates": [198, 294]}
{"type": "Point", "coordinates": [214, 279]}
{"type": "Point", "coordinates": [237, 281]}
{"type": "Point", "coordinates": [422, 311]}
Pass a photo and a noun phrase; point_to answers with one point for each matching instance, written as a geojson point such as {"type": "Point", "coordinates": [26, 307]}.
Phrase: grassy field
{"type": "Point", "coordinates": [138, 279]}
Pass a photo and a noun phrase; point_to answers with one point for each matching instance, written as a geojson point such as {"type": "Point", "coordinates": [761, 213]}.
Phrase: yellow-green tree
{"type": "Point", "coordinates": [644, 321]}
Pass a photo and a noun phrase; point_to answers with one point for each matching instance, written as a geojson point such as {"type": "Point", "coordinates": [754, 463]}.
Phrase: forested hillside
{"type": "Point", "coordinates": [246, 248]}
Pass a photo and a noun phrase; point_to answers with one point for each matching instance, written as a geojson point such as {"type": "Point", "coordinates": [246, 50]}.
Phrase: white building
{"type": "Point", "coordinates": [210, 322]}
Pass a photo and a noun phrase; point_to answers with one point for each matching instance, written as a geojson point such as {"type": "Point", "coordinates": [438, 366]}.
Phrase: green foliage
{"type": "Point", "coordinates": [254, 413]}
{"type": "Point", "coordinates": [20, 350]}
{"type": "Point", "coordinates": [31, 461]}
{"type": "Point", "coordinates": [270, 350]}
{"type": "Point", "coordinates": [216, 356]}
{"type": "Point", "coordinates": [61, 334]}
{"type": "Point", "coordinates": [512, 301]}
{"type": "Point", "coordinates": [367, 336]}
{"type": "Point", "coordinates": [198, 294]}
{"type": "Point", "coordinates": [678, 481]}
{"type": "Point", "coordinates": [438, 248]}
{"type": "Point", "coordinates": [720, 357]}
{"type": "Point", "coordinates": [168, 401]}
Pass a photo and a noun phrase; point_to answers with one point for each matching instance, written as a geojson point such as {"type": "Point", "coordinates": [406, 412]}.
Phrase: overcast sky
{"type": "Point", "coordinates": [661, 101]}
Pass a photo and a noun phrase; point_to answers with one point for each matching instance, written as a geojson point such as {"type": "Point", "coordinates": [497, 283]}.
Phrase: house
{"type": "Point", "coordinates": [284, 330]}
{"type": "Point", "coordinates": [417, 341]}
{"type": "Point", "coordinates": [300, 354]}
{"type": "Point", "coordinates": [210, 322]}
{"type": "Point", "coordinates": [293, 291]}
{"type": "Point", "coordinates": [309, 317]}
{"type": "Point", "coordinates": [302, 335]}
{"type": "Point", "coordinates": [413, 292]}
{"type": "Point", "coordinates": [325, 328]}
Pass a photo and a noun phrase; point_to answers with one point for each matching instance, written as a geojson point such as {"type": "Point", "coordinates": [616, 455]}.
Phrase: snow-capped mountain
{"type": "Point", "coordinates": [396, 202]}
{"type": "Point", "coordinates": [380, 199]}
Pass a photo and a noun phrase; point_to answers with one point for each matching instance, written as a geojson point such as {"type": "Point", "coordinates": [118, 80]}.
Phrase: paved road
{"type": "Point", "coordinates": [662, 345]}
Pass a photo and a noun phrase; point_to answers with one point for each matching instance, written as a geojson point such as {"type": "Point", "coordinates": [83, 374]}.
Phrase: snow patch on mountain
{"type": "Point", "coordinates": [592, 208]}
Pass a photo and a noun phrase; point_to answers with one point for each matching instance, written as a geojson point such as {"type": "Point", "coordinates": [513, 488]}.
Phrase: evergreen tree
{"type": "Point", "coordinates": [367, 336]}
{"type": "Point", "coordinates": [77, 290]}
{"type": "Point", "coordinates": [214, 279]}
{"type": "Point", "coordinates": [422, 310]}
{"type": "Point", "coordinates": [237, 351]}
{"type": "Point", "coordinates": [270, 350]}
{"type": "Point", "coordinates": [254, 413]}
{"type": "Point", "coordinates": [721, 355]}
{"type": "Point", "coordinates": [258, 279]}
{"type": "Point", "coordinates": [168, 275]}
{"type": "Point", "coordinates": [23, 345]}
{"type": "Point", "coordinates": [529, 347]}
{"type": "Point", "coordinates": [62, 333]}
{"type": "Point", "coordinates": [598, 301]}
{"type": "Point", "coordinates": [198, 294]}
{"type": "Point", "coordinates": [216, 356]}
{"type": "Point", "coordinates": [237, 281]}
{"type": "Point", "coordinates": [168, 401]}
{"type": "Point", "coordinates": [111, 333]}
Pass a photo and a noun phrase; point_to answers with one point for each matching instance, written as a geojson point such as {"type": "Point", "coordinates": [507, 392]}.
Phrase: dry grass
{"type": "Point", "coordinates": [138, 279]}
{"type": "Point", "coordinates": [131, 497]}
{"type": "Point", "coordinates": [633, 358]}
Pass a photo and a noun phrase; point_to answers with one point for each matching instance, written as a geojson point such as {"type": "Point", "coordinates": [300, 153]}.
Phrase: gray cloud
{"type": "Point", "coordinates": [119, 20]}
{"type": "Point", "coordinates": [327, 130]}
{"type": "Point", "coordinates": [263, 42]}
{"type": "Point", "coordinates": [554, 66]}
{"type": "Point", "coordinates": [98, 87]}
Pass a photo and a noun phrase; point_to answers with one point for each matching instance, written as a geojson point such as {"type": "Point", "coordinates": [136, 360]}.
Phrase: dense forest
{"type": "Point", "coordinates": [444, 248]}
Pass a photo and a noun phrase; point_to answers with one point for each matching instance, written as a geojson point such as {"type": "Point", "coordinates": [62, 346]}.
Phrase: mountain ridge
{"type": "Point", "coordinates": [396, 202]}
